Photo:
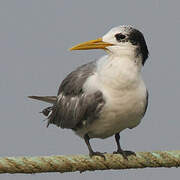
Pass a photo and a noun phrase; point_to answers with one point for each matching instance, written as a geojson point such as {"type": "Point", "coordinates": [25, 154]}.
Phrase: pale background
{"type": "Point", "coordinates": [34, 39]}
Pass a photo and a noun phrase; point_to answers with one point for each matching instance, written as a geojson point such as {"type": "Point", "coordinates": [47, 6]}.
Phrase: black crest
{"type": "Point", "coordinates": [137, 38]}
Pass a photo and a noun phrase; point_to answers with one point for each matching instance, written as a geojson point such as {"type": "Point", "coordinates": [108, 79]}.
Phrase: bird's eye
{"type": "Point", "coordinates": [119, 36]}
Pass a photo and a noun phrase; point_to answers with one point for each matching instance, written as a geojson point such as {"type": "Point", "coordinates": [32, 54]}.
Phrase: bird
{"type": "Point", "coordinates": [105, 96]}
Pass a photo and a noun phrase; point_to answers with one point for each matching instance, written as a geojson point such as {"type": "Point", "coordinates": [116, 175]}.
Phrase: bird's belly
{"type": "Point", "coordinates": [112, 122]}
{"type": "Point", "coordinates": [120, 112]}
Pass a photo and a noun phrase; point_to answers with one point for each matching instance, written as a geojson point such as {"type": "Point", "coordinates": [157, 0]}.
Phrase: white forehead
{"type": "Point", "coordinates": [109, 36]}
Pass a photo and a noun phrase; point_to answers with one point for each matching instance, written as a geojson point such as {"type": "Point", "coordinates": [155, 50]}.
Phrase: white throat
{"type": "Point", "coordinates": [116, 73]}
{"type": "Point", "coordinates": [121, 71]}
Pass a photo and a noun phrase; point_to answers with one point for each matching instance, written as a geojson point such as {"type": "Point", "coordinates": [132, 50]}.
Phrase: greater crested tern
{"type": "Point", "coordinates": [103, 97]}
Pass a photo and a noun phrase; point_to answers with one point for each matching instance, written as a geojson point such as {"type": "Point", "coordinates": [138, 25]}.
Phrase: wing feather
{"type": "Point", "coordinates": [73, 106]}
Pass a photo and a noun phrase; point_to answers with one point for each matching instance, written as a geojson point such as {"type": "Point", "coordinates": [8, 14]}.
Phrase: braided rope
{"type": "Point", "coordinates": [84, 162]}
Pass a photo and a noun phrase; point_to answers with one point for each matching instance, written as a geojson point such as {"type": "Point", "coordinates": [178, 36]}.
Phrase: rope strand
{"type": "Point", "coordinates": [83, 163]}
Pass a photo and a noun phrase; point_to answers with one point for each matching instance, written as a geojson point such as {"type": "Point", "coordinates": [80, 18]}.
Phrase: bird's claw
{"type": "Point", "coordinates": [125, 154]}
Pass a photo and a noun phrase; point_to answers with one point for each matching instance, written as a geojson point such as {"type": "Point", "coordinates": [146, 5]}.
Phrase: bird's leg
{"type": "Point", "coordinates": [125, 154]}
{"type": "Point", "coordinates": [91, 152]}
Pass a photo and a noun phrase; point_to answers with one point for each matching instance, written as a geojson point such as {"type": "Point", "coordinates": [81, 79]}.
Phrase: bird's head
{"type": "Point", "coordinates": [121, 39]}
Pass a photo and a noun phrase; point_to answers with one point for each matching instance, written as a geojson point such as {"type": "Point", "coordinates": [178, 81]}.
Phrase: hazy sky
{"type": "Point", "coordinates": [34, 39]}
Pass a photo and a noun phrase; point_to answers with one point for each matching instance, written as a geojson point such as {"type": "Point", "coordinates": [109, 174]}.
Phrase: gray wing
{"type": "Point", "coordinates": [146, 105]}
{"type": "Point", "coordinates": [73, 105]}
{"type": "Point", "coordinates": [73, 83]}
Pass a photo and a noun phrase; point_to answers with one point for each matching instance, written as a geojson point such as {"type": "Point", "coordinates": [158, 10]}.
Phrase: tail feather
{"type": "Point", "coordinates": [48, 99]}
{"type": "Point", "coordinates": [47, 111]}
{"type": "Point", "coordinates": [51, 111]}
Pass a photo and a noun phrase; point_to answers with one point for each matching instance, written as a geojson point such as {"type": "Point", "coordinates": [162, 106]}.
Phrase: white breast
{"type": "Point", "coordinates": [125, 95]}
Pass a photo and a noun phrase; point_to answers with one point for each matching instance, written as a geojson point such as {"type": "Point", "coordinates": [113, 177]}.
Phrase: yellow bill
{"type": "Point", "coordinates": [93, 44]}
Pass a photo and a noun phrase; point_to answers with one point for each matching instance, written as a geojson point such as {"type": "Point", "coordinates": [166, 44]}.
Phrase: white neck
{"type": "Point", "coordinates": [119, 70]}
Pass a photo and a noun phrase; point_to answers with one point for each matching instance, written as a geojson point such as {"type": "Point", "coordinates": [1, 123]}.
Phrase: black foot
{"type": "Point", "coordinates": [91, 154]}
{"type": "Point", "coordinates": [125, 154]}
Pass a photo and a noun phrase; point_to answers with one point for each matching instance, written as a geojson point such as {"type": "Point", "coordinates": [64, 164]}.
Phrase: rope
{"type": "Point", "coordinates": [84, 162]}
